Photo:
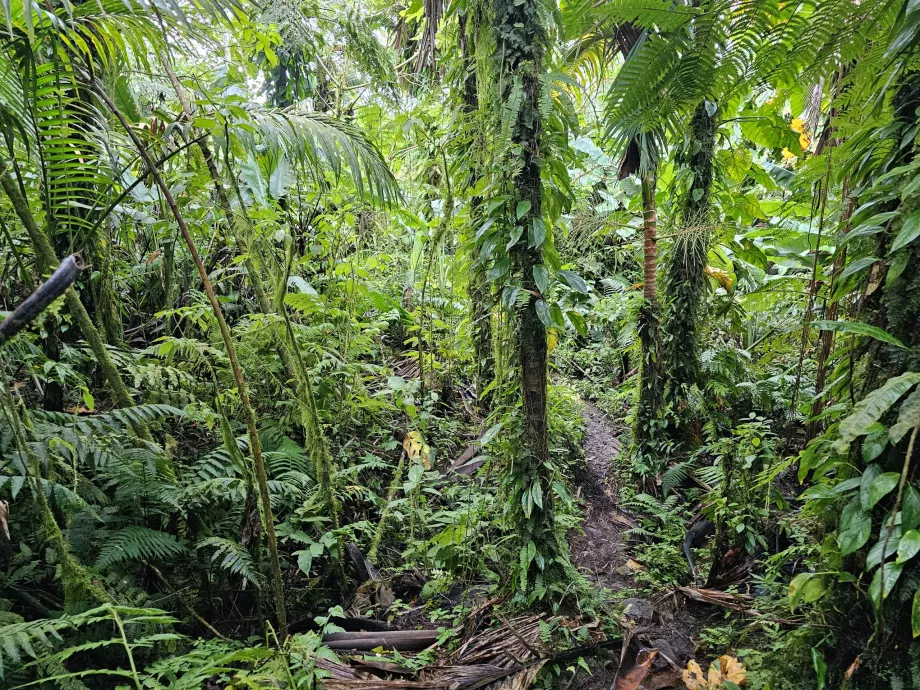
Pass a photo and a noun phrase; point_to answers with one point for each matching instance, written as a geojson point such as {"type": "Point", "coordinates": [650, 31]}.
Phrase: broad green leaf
{"type": "Point", "coordinates": [882, 486]}
{"type": "Point", "coordinates": [874, 443]}
{"type": "Point", "coordinates": [795, 588]}
{"type": "Point", "coordinates": [304, 561]}
{"type": "Point", "coordinates": [855, 528]}
{"type": "Point", "coordinates": [522, 208]}
{"type": "Point", "coordinates": [908, 418]}
{"type": "Point", "coordinates": [868, 476]}
{"type": "Point", "coordinates": [812, 590]}
{"type": "Point", "coordinates": [817, 661]}
{"type": "Point", "coordinates": [908, 233]}
{"type": "Point", "coordinates": [575, 281]}
{"type": "Point", "coordinates": [499, 268]}
{"type": "Point", "coordinates": [541, 277]}
{"type": "Point", "coordinates": [556, 311]}
{"type": "Point", "coordinates": [896, 267]}
{"type": "Point", "coordinates": [908, 546]}
{"type": "Point", "coordinates": [537, 233]}
{"type": "Point", "coordinates": [490, 434]}
{"type": "Point", "coordinates": [859, 328]}
{"type": "Point", "coordinates": [857, 266]}
{"type": "Point", "coordinates": [853, 540]}
{"type": "Point", "coordinates": [868, 410]}
{"type": "Point", "coordinates": [874, 557]}
{"type": "Point", "coordinates": [910, 509]}
{"type": "Point", "coordinates": [515, 235]}
{"type": "Point", "coordinates": [890, 572]}
{"type": "Point", "coordinates": [543, 312]}
{"type": "Point", "coordinates": [578, 323]}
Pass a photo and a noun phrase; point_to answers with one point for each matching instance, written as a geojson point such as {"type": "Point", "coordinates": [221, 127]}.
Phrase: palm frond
{"type": "Point", "coordinates": [321, 142]}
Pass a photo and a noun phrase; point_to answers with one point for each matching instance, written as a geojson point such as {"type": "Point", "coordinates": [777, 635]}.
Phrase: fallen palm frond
{"type": "Point", "coordinates": [507, 657]}
{"type": "Point", "coordinates": [728, 600]}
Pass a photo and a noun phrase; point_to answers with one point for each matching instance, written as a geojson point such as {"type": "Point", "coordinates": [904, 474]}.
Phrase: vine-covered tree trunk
{"type": "Point", "coordinates": [686, 279]}
{"type": "Point", "coordinates": [649, 406]}
{"type": "Point", "coordinates": [520, 48]}
{"type": "Point", "coordinates": [480, 290]}
{"type": "Point", "coordinates": [254, 443]}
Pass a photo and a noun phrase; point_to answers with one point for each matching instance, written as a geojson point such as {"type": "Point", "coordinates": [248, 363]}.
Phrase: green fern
{"type": "Point", "coordinates": [231, 556]}
{"type": "Point", "coordinates": [135, 543]}
{"type": "Point", "coordinates": [676, 475]}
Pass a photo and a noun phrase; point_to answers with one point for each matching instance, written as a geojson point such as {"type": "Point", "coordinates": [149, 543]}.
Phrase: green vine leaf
{"type": "Point", "coordinates": [910, 509]}
{"type": "Point", "coordinates": [543, 313]}
{"type": "Point", "coordinates": [541, 277]}
{"type": "Point", "coordinates": [908, 418]}
{"type": "Point", "coordinates": [882, 486]}
{"type": "Point", "coordinates": [891, 572]}
{"type": "Point", "coordinates": [522, 208]}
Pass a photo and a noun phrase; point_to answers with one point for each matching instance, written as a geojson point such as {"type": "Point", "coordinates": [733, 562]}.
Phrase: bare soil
{"type": "Point", "coordinates": [600, 552]}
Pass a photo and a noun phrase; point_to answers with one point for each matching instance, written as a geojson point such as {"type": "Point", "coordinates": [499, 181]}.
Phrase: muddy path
{"type": "Point", "coordinates": [600, 552]}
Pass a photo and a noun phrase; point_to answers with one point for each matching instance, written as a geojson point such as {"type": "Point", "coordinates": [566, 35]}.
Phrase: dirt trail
{"type": "Point", "coordinates": [600, 552]}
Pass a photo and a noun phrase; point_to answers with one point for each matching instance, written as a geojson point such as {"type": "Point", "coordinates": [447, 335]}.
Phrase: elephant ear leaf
{"type": "Point", "coordinates": [870, 409]}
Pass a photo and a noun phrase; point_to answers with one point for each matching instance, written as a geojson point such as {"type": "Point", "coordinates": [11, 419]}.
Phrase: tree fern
{"type": "Point", "coordinates": [135, 543]}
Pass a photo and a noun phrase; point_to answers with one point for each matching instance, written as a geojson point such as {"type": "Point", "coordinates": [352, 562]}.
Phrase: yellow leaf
{"type": "Point", "coordinates": [787, 154]}
{"type": "Point", "coordinates": [693, 677]}
{"type": "Point", "coordinates": [551, 340]}
{"type": "Point", "coordinates": [797, 125]}
{"type": "Point", "coordinates": [715, 677]}
{"type": "Point", "coordinates": [732, 669]}
{"type": "Point", "coordinates": [725, 280]}
{"type": "Point", "coordinates": [804, 140]}
{"type": "Point", "coordinates": [417, 449]}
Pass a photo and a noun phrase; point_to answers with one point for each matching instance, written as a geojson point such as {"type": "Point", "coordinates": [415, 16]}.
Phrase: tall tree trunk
{"type": "Point", "coordinates": [255, 445]}
{"type": "Point", "coordinates": [520, 48]}
{"type": "Point", "coordinates": [832, 310]}
{"type": "Point", "coordinates": [480, 290]}
{"type": "Point", "coordinates": [650, 393]}
{"type": "Point", "coordinates": [296, 370]}
{"type": "Point", "coordinates": [686, 279]}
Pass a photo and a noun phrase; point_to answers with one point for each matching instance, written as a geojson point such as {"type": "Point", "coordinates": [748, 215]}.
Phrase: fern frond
{"type": "Point", "coordinates": [135, 543]}
{"type": "Point", "coordinates": [230, 556]}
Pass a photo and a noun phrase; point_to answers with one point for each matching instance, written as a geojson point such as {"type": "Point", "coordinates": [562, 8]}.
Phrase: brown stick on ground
{"type": "Point", "coordinates": [186, 604]}
{"type": "Point", "coordinates": [400, 640]}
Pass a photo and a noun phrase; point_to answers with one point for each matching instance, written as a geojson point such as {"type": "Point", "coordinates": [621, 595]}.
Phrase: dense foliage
{"type": "Point", "coordinates": [352, 271]}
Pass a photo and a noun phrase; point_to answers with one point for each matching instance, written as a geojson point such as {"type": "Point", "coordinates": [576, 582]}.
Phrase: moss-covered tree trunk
{"type": "Point", "coordinates": [480, 291]}
{"type": "Point", "coordinates": [685, 284]}
{"type": "Point", "coordinates": [648, 411]}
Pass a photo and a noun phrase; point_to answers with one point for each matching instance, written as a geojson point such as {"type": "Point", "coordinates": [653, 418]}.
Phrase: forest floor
{"type": "Point", "coordinates": [600, 551]}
